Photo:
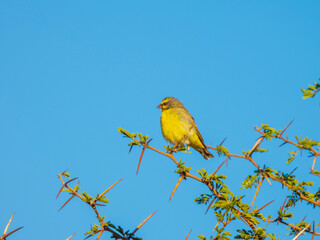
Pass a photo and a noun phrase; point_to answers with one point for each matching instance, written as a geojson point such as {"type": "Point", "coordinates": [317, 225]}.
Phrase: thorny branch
{"type": "Point", "coordinates": [5, 234]}
{"type": "Point", "coordinates": [248, 156]}
{"type": "Point", "coordinates": [92, 202]}
{"type": "Point", "coordinates": [208, 184]}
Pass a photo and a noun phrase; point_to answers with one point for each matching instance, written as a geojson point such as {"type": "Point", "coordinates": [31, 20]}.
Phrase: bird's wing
{"type": "Point", "coordinates": [188, 118]}
{"type": "Point", "coordinates": [199, 135]}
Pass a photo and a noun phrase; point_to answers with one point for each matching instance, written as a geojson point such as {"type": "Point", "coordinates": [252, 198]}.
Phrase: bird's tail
{"type": "Point", "coordinates": [206, 154]}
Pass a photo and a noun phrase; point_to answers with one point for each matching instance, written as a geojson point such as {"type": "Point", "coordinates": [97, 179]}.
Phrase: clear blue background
{"type": "Point", "coordinates": [72, 72]}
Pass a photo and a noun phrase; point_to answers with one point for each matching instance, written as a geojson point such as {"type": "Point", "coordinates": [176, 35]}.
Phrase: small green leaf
{"type": "Point", "coordinates": [65, 174]}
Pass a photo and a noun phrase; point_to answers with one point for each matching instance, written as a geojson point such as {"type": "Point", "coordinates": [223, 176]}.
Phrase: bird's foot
{"type": "Point", "coordinates": [174, 148]}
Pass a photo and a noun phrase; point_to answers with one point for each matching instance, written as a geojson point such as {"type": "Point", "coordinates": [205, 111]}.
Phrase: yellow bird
{"type": "Point", "coordinates": [178, 126]}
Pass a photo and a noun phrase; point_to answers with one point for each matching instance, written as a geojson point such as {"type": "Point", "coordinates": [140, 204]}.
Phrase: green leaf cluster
{"type": "Point", "coordinates": [102, 199]}
{"type": "Point", "coordinates": [228, 207]}
{"type": "Point", "coordinates": [250, 181]}
{"type": "Point", "coordinates": [125, 234]}
{"type": "Point", "coordinates": [232, 205]}
{"type": "Point", "coordinates": [65, 174]}
{"type": "Point", "coordinates": [86, 197]}
{"type": "Point", "coordinates": [301, 225]}
{"type": "Point", "coordinates": [75, 189]}
{"type": "Point", "coordinates": [292, 156]}
{"type": "Point", "coordinates": [221, 235]}
{"type": "Point", "coordinates": [259, 233]}
{"type": "Point", "coordinates": [260, 150]}
{"type": "Point", "coordinates": [136, 142]}
{"type": "Point", "coordinates": [93, 230]}
{"type": "Point", "coordinates": [291, 182]}
{"type": "Point", "coordinates": [203, 199]}
{"type": "Point", "coordinates": [306, 143]}
{"type": "Point", "coordinates": [311, 90]}
{"type": "Point", "coordinates": [316, 172]}
{"type": "Point", "coordinates": [284, 214]}
{"type": "Point", "coordinates": [180, 148]}
{"type": "Point", "coordinates": [221, 150]}
{"type": "Point", "coordinates": [203, 237]}
{"type": "Point", "coordinates": [182, 168]}
{"type": "Point", "coordinates": [269, 132]}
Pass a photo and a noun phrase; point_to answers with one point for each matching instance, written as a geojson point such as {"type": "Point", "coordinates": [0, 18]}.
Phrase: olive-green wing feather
{"type": "Point", "coordinates": [199, 135]}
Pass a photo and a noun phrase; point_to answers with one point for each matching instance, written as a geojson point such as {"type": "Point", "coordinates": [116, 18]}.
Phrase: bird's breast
{"type": "Point", "coordinates": [176, 126]}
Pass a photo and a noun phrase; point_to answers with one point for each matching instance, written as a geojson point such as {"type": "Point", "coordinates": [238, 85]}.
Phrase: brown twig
{"type": "Point", "coordinates": [313, 173]}
{"type": "Point", "coordinates": [63, 186]}
{"type": "Point", "coordinates": [91, 203]}
{"type": "Point", "coordinates": [4, 236]}
{"type": "Point", "coordinates": [212, 189]}
{"type": "Point", "coordinates": [316, 153]}
{"type": "Point", "coordinates": [249, 158]}
{"type": "Point", "coordinates": [300, 229]}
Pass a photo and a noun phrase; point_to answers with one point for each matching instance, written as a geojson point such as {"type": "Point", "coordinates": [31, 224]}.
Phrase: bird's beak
{"type": "Point", "coordinates": [159, 106]}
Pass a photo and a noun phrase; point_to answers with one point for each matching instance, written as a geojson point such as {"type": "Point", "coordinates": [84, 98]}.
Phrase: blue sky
{"type": "Point", "coordinates": [72, 72]}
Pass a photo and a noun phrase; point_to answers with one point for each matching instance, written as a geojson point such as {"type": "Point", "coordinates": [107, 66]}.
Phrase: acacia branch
{"type": "Point", "coordinates": [266, 173]}
{"type": "Point", "coordinates": [208, 184]}
{"type": "Point", "coordinates": [297, 228]}
{"type": "Point", "coordinates": [92, 204]}
{"type": "Point", "coordinates": [5, 234]}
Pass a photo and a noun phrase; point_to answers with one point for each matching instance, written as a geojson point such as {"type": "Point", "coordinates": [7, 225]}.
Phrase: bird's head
{"type": "Point", "coordinates": [170, 102]}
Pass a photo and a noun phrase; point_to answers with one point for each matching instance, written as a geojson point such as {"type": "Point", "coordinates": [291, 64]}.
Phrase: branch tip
{"type": "Point", "coordinates": [8, 234]}
{"type": "Point", "coordinates": [110, 187]}
{"type": "Point", "coordinates": [210, 204]}
{"type": "Point", "coordinates": [140, 225]}
{"type": "Point", "coordinates": [176, 186]}
{"type": "Point", "coordinates": [6, 229]}
{"type": "Point", "coordinates": [222, 141]}
{"type": "Point", "coordinates": [264, 206]}
{"type": "Point", "coordinates": [285, 128]}
{"type": "Point", "coordinates": [302, 231]}
{"type": "Point", "coordinates": [71, 236]}
{"type": "Point", "coordinates": [255, 195]}
{"type": "Point", "coordinates": [188, 234]}
{"type": "Point", "coordinates": [142, 152]}
{"type": "Point", "coordinates": [67, 202]}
